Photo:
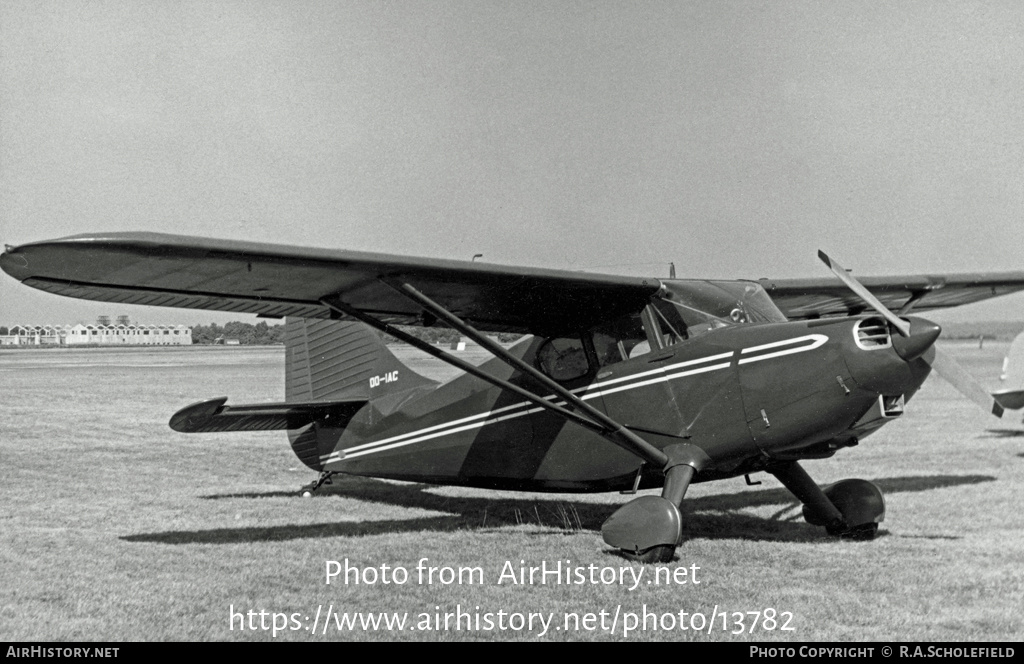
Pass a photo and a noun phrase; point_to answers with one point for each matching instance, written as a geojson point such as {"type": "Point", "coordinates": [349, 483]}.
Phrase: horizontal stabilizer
{"type": "Point", "coordinates": [1009, 399]}
{"type": "Point", "coordinates": [214, 416]}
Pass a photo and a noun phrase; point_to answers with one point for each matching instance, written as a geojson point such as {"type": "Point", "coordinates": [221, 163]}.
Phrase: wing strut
{"type": "Point", "coordinates": [591, 418]}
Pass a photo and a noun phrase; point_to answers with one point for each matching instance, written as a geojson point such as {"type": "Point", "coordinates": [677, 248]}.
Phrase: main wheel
{"type": "Point", "coordinates": [862, 505]}
{"type": "Point", "coordinates": [861, 533]}
{"type": "Point", "coordinates": [646, 529]}
{"type": "Point", "coordinates": [656, 554]}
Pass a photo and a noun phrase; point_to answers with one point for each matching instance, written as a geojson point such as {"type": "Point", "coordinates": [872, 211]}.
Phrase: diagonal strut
{"type": "Point", "coordinates": [588, 416]}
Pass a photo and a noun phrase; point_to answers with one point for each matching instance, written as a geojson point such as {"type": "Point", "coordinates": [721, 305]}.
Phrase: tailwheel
{"type": "Point", "coordinates": [308, 490]}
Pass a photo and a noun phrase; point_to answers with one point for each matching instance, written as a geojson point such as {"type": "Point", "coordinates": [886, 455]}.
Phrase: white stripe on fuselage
{"type": "Point", "coordinates": [815, 339]}
{"type": "Point", "coordinates": [663, 374]}
{"type": "Point", "coordinates": [596, 388]}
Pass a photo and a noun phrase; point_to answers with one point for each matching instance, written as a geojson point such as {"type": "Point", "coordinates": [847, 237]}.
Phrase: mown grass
{"type": "Point", "coordinates": [114, 527]}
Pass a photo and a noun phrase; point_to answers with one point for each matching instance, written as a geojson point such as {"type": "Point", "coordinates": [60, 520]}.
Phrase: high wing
{"type": "Point", "coordinates": [276, 281]}
{"type": "Point", "coordinates": [814, 298]}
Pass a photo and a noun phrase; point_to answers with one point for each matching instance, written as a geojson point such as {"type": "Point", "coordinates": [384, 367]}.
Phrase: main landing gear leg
{"type": "Point", "coordinates": [649, 528]}
{"type": "Point", "coordinates": [849, 508]}
{"type": "Point", "coordinates": [325, 478]}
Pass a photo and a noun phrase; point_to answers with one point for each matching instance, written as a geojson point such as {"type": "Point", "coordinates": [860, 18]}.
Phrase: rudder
{"type": "Point", "coordinates": [328, 360]}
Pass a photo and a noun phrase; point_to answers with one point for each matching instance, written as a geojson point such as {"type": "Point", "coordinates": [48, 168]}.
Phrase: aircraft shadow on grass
{"type": "Point", "coordinates": [1004, 433]}
{"type": "Point", "coordinates": [710, 517]}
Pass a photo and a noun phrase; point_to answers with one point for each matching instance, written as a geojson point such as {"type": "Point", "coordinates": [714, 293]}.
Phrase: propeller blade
{"type": "Point", "coordinates": [957, 376]}
{"type": "Point", "coordinates": [943, 364]}
{"type": "Point", "coordinates": [901, 325]}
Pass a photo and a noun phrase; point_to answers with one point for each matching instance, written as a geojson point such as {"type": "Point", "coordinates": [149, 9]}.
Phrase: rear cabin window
{"type": "Point", "coordinates": [564, 358]}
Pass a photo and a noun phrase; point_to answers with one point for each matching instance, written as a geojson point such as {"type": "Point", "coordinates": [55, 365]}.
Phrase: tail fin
{"type": "Point", "coordinates": [1011, 396]}
{"type": "Point", "coordinates": [328, 361]}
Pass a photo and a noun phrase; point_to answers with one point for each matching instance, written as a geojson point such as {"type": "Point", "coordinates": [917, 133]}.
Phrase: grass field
{"type": "Point", "coordinates": [114, 527]}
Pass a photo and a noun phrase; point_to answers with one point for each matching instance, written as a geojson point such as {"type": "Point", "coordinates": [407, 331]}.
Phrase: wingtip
{"type": "Point", "coordinates": [13, 263]}
{"type": "Point", "coordinates": [191, 418]}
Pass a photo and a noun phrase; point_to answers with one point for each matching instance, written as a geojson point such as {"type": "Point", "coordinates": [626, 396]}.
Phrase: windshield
{"type": "Point", "coordinates": [702, 306]}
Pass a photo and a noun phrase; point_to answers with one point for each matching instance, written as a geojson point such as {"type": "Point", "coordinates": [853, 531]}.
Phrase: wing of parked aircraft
{"type": "Point", "coordinates": [278, 280]}
{"type": "Point", "coordinates": [818, 297]}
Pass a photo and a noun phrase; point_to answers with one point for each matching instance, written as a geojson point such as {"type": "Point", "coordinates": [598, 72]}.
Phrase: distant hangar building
{"type": "Point", "coordinates": [108, 335]}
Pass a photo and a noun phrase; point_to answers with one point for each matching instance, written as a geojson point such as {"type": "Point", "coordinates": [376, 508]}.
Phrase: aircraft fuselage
{"type": "Point", "coordinates": [747, 395]}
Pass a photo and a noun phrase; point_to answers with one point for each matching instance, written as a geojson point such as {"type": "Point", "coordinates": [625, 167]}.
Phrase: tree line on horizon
{"type": "Point", "coordinates": [260, 334]}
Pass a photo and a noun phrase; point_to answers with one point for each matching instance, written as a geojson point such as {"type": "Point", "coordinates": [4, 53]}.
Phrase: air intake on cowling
{"type": "Point", "coordinates": [872, 333]}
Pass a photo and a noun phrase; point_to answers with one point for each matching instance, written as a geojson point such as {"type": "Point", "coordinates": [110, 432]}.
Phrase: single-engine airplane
{"type": "Point", "coordinates": [621, 383]}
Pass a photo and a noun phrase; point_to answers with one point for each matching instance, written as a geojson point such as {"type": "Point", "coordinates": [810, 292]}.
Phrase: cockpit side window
{"type": "Point", "coordinates": [695, 321]}
{"type": "Point", "coordinates": [672, 326]}
{"type": "Point", "coordinates": [685, 309]}
{"type": "Point", "coordinates": [620, 340]}
{"type": "Point", "coordinates": [638, 334]}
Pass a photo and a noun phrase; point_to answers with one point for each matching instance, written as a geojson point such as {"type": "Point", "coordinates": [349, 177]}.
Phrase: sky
{"type": "Point", "coordinates": [734, 139]}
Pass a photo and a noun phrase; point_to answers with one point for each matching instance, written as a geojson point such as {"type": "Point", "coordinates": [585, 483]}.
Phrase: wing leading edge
{"type": "Point", "coordinates": [277, 280]}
